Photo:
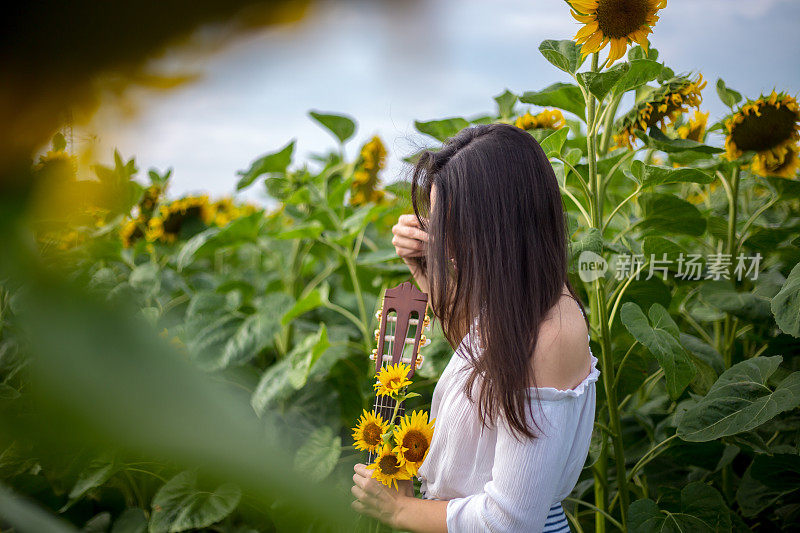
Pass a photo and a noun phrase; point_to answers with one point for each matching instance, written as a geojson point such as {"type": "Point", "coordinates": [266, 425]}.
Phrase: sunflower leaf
{"type": "Point", "coordinates": [561, 95]}
{"type": "Point", "coordinates": [505, 104]}
{"type": "Point", "coordinates": [273, 163]}
{"type": "Point", "coordinates": [180, 504]}
{"type": "Point", "coordinates": [564, 55]}
{"type": "Point", "coordinates": [443, 129]}
{"type": "Point", "coordinates": [785, 305]}
{"type": "Point", "coordinates": [658, 141]}
{"type": "Point", "coordinates": [660, 336]}
{"type": "Point", "coordinates": [641, 71]}
{"type": "Point", "coordinates": [341, 126]}
{"type": "Point", "coordinates": [728, 96]}
{"type": "Point", "coordinates": [318, 455]}
{"type": "Point", "coordinates": [554, 143]}
{"type": "Point", "coordinates": [650, 176]}
{"type": "Point", "coordinates": [740, 400]}
{"type": "Point", "coordinates": [600, 83]}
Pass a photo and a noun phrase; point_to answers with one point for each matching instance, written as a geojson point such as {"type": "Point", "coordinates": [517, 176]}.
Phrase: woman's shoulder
{"type": "Point", "coordinates": [562, 358]}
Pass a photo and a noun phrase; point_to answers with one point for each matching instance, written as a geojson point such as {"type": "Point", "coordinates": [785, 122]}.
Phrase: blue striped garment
{"type": "Point", "coordinates": [556, 521]}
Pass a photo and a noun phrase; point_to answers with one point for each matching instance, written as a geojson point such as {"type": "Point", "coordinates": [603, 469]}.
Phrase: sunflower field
{"type": "Point", "coordinates": [196, 363]}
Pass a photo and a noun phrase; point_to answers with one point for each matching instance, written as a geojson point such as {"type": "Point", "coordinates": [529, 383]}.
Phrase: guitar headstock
{"type": "Point", "coordinates": [403, 317]}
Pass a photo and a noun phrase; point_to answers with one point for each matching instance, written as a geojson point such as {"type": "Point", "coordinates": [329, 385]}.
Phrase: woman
{"type": "Point", "coordinates": [515, 405]}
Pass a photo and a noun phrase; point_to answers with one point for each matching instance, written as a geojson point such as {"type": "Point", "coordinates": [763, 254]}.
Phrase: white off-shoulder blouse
{"type": "Point", "coordinates": [494, 482]}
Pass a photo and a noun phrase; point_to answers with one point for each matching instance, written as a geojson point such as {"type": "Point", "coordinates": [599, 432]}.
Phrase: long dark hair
{"type": "Point", "coordinates": [497, 253]}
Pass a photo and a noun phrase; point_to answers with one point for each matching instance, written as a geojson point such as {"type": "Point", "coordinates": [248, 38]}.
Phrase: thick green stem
{"type": "Point", "coordinates": [605, 139]}
{"type": "Point", "coordinates": [601, 320]}
{"type": "Point", "coordinates": [600, 472]}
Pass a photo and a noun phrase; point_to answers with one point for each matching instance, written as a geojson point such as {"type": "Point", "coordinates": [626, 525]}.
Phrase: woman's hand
{"type": "Point", "coordinates": [411, 243]}
{"type": "Point", "coordinates": [378, 500]}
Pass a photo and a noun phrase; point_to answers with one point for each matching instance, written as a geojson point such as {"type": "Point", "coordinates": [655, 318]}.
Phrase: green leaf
{"type": "Point", "coordinates": [441, 130]}
{"type": "Point", "coordinates": [785, 305]}
{"type": "Point", "coordinates": [188, 251]}
{"type": "Point", "coordinates": [564, 55]}
{"type": "Point", "coordinates": [305, 354]}
{"type": "Point", "coordinates": [319, 454]}
{"type": "Point", "coordinates": [722, 295]}
{"type": "Point", "coordinates": [272, 163]}
{"type": "Point", "coordinates": [553, 143]}
{"type": "Point", "coordinates": [740, 401]}
{"type": "Point", "coordinates": [637, 52]}
{"type": "Point", "coordinates": [180, 504]}
{"type": "Point", "coordinates": [754, 496]}
{"type": "Point", "coordinates": [308, 230]}
{"type": "Point", "coordinates": [658, 141]}
{"type": "Point", "coordinates": [132, 520]}
{"type": "Point", "coordinates": [505, 104]}
{"type": "Point", "coordinates": [561, 95]}
{"type": "Point", "coordinates": [660, 335]}
{"type": "Point", "coordinates": [341, 126]}
{"type": "Point", "coordinates": [23, 515]}
{"type": "Point", "coordinates": [702, 509]}
{"type": "Point", "coordinates": [600, 83]}
{"type": "Point", "coordinates": [640, 72]}
{"type": "Point", "coordinates": [316, 298]}
{"type": "Point", "coordinates": [146, 278]}
{"type": "Point", "coordinates": [779, 471]}
{"type": "Point", "coordinates": [96, 474]}
{"type": "Point", "coordinates": [592, 241]}
{"type": "Point", "coordinates": [650, 176]}
{"type": "Point", "coordinates": [728, 96]}
{"type": "Point", "coordinates": [273, 387]}
{"type": "Point", "coordinates": [666, 213]}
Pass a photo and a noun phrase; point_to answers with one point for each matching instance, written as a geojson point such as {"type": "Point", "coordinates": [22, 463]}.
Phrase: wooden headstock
{"type": "Point", "coordinates": [396, 316]}
{"type": "Point", "coordinates": [404, 308]}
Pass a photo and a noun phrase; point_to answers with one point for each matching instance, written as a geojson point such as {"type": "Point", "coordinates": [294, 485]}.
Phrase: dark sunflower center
{"type": "Point", "coordinates": [417, 445]}
{"type": "Point", "coordinates": [389, 465]}
{"type": "Point", "coordinates": [372, 434]}
{"type": "Point", "coordinates": [620, 18]}
{"type": "Point", "coordinates": [774, 126]}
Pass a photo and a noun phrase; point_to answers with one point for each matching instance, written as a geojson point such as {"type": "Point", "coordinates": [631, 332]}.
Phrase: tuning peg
{"type": "Point", "coordinates": [426, 323]}
{"type": "Point", "coordinates": [374, 354]}
{"type": "Point", "coordinates": [378, 314]}
{"type": "Point", "coordinates": [424, 341]}
{"type": "Point", "coordinates": [377, 334]}
{"type": "Point", "coordinates": [419, 361]}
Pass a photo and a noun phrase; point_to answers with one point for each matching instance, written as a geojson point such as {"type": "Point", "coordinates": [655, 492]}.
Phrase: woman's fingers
{"type": "Point", "coordinates": [409, 230]}
{"type": "Point", "coordinates": [409, 244]}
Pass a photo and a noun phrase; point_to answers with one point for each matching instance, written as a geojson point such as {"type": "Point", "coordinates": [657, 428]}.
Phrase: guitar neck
{"type": "Point", "coordinates": [384, 406]}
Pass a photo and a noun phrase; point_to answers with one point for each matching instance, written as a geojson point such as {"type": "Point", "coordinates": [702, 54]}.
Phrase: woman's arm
{"type": "Point", "coordinates": [401, 510]}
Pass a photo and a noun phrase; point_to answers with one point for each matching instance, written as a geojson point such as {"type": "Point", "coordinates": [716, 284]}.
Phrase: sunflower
{"type": "Point", "coordinates": [365, 176]}
{"type": "Point", "coordinates": [618, 22]}
{"type": "Point", "coordinates": [551, 119]}
{"type": "Point", "coordinates": [130, 232]}
{"type": "Point", "coordinates": [695, 129]}
{"type": "Point", "coordinates": [388, 468]}
{"type": "Point", "coordinates": [664, 103]}
{"type": "Point", "coordinates": [786, 169]}
{"type": "Point", "coordinates": [150, 200]}
{"type": "Point", "coordinates": [367, 434]}
{"type": "Point", "coordinates": [413, 439]}
{"type": "Point", "coordinates": [392, 378]}
{"type": "Point", "coordinates": [767, 126]}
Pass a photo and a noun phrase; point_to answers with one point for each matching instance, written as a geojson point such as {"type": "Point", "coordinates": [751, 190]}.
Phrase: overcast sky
{"type": "Point", "coordinates": [387, 65]}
